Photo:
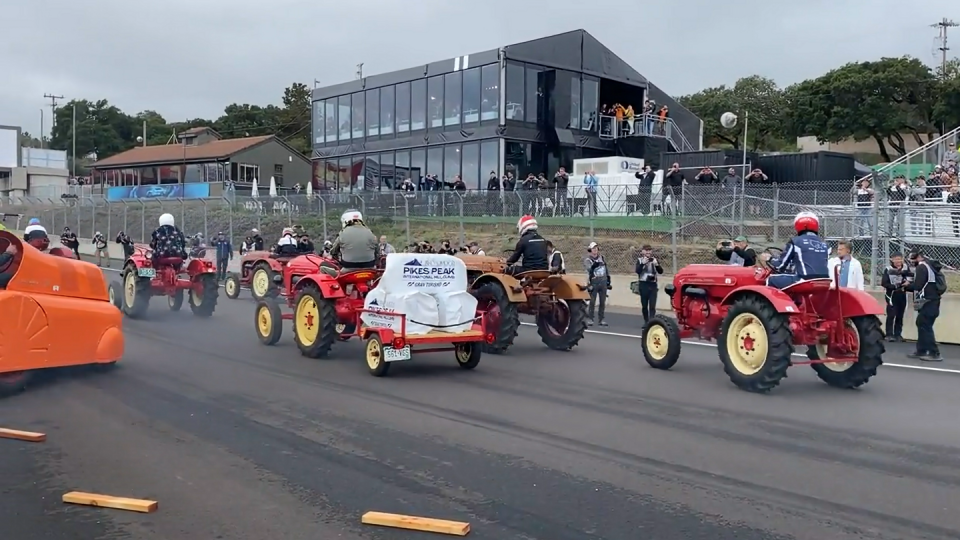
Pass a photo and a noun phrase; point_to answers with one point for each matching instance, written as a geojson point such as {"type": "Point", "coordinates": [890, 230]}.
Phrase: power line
{"type": "Point", "coordinates": [942, 27]}
{"type": "Point", "coordinates": [53, 110]}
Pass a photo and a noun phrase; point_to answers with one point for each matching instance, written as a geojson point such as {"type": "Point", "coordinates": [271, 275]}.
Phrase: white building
{"type": "Point", "coordinates": [30, 172]}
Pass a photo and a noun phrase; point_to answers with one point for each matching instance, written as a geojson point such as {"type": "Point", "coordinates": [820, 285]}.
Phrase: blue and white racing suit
{"type": "Point", "coordinates": [807, 254]}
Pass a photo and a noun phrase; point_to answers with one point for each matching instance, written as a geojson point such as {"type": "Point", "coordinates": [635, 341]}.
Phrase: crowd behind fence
{"type": "Point", "coordinates": [683, 226]}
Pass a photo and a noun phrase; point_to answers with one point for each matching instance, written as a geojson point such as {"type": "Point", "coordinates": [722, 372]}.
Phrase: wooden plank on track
{"type": "Point", "coordinates": [109, 501]}
{"type": "Point", "coordinates": [415, 523]}
{"type": "Point", "coordinates": [28, 436]}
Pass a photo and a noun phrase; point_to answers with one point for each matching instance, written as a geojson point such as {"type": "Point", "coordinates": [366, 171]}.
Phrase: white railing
{"type": "Point", "coordinates": [644, 125]}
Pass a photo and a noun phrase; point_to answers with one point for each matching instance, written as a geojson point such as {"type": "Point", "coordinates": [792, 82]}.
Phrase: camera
{"type": "Point", "coordinates": [726, 244]}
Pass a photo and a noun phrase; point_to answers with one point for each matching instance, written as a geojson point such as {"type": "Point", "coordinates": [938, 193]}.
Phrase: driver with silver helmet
{"type": "Point", "coordinates": [168, 241]}
{"type": "Point", "coordinates": [805, 253]}
{"type": "Point", "coordinates": [356, 246]}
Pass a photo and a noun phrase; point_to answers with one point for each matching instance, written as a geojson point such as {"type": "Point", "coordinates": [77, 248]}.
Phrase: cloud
{"type": "Point", "coordinates": [187, 59]}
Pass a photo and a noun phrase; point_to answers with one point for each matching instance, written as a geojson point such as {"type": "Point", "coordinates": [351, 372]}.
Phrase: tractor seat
{"type": "Point", "coordinates": [535, 275]}
{"type": "Point", "coordinates": [809, 286]}
{"type": "Point", "coordinates": [170, 261]}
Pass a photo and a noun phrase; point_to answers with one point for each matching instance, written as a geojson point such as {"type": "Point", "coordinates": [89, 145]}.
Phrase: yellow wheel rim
{"type": "Point", "coordinates": [463, 352]}
{"type": "Point", "coordinates": [130, 288]}
{"type": "Point", "coordinates": [196, 298]}
{"type": "Point", "coordinates": [747, 344]}
{"type": "Point", "coordinates": [657, 342]}
{"type": "Point", "coordinates": [375, 353]}
{"type": "Point", "coordinates": [231, 287]}
{"type": "Point", "coordinates": [111, 294]}
{"type": "Point", "coordinates": [823, 351]}
{"type": "Point", "coordinates": [264, 321]}
{"type": "Point", "coordinates": [308, 320]}
{"type": "Point", "coordinates": [260, 282]}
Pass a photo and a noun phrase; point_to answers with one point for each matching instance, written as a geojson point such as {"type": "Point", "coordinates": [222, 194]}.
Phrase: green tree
{"type": "Point", "coordinates": [758, 96]}
{"type": "Point", "coordinates": [102, 129]}
{"type": "Point", "coordinates": [29, 141]}
{"type": "Point", "coordinates": [295, 117]}
{"type": "Point", "coordinates": [882, 100]}
{"type": "Point", "coordinates": [248, 120]}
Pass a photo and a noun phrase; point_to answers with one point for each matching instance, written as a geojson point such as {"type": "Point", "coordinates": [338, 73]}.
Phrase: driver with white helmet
{"type": "Point", "coordinates": [287, 244]}
{"type": "Point", "coordinates": [806, 254]}
{"type": "Point", "coordinates": [531, 250]}
{"type": "Point", "coordinates": [168, 241]}
{"type": "Point", "coordinates": [356, 246]}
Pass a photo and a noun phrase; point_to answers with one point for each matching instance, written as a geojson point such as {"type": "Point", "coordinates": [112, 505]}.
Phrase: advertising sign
{"type": "Point", "coordinates": [160, 191]}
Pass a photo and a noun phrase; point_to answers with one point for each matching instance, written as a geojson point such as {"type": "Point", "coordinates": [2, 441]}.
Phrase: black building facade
{"type": "Point", "coordinates": [529, 107]}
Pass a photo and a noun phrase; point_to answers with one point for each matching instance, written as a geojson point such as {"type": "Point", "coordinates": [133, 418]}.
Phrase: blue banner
{"type": "Point", "coordinates": [198, 190]}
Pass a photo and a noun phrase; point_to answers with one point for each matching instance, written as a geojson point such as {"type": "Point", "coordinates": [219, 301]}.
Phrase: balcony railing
{"type": "Point", "coordinates": [645, 125]}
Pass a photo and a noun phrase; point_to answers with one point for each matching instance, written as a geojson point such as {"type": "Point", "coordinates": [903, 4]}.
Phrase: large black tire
{"type": "Point", "coordinates": [231, 285]}
{"type": "Point", "coordinates": [262, 269]}
{"type": "Point", "coordinates": [326, 312]}
{"type": "Point", "coordinates": [468, 354]}
{"type": "Point", "coordinates": [509, 326]}
{"type": "Point", "coordinates": [660, 342]}
{"type": "Point", "coordinates": [268, 320]}
{"type": "Point", "coordinates": [140, 293]}
{"type": "Point", "coordinates": [576, 326]}
{"type": "Point", "coordinates": [15, 382]}
{"type": "Point", "coordinates": [175, 301]}
{"type": "Point", "coordinates": [115, 293]}
{"type": "Point", "coordinates": [869, 359]}
{"type": "Point", "coordinates": [768, 325]}
{"type": "Point", "coordinates": [204, 304]}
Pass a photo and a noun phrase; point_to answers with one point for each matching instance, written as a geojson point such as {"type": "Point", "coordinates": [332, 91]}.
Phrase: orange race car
{"type": "Point", "coordinates": [56, 313]}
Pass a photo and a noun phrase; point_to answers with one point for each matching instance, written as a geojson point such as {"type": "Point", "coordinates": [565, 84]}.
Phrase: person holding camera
{"type": "Point", "coordinates": [736, 252]}
{"type": "Point", "coordinates": [446, 248]}
{"type": "Point", "coordinates": [648, 268]}
{"type": "Point", "coordinates": [598, 282]}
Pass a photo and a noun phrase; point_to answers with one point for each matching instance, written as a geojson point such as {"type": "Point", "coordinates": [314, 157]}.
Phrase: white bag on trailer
{"type": "Point", "coordinates": [428, 272]}
{"type": "Point", "coordinates": [456, 307]}
{"type": "Point", "coordinates": [417, 306]}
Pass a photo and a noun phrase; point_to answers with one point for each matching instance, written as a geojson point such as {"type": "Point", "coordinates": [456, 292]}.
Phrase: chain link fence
{"type": "Point", "coordinates": [684, 226]}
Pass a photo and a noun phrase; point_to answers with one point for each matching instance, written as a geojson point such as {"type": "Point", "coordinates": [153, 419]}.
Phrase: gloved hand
{"type": "Point", "coordinates": [589, 288]}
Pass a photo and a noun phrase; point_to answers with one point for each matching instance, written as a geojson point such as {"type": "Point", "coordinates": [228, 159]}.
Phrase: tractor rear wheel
{"type": "Point", "coordinates": [869, 358]}
{"type": "Point", "coordinates": [136, 293]}
{"type": "Point", "coordinates": [502, 316]}
{"type": "Point", "coordinates": [562, 328]}
{"type": "Point", "coordinates": [314, 323]}
{"type": "Point", "coordinates": [204, 302]}
{"type": "Point", "coordinates": [660, 342]}
{"type": "Point", "coordinates": [755, 345]}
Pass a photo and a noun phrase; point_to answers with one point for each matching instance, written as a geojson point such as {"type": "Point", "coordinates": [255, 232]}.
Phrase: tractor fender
{"type": "Point", "coordinates": [199, 266]}
{"type": "Point", "coordinates": [274, 264]}
{"type": "Point", "coordinates": [566, 287]}
{"type": "Point", "coordinates": [510, 284]}
{"type": "Point", "coordinates": [780, 300]}
{"type": "Point", "coordinates": [853, 303]}
{"type": "Point", "coordinates": [327, 285]}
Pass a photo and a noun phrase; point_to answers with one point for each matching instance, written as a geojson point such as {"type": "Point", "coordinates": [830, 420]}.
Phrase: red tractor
{"type": "Point", "coordinates": [757, 327]}
{"type": "Point", "coordinates": [262, 271]}
{"type": "Point", "coordinates": [142, 279]}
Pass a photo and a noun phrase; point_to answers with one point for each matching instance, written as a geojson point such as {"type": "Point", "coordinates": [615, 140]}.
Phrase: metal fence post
{"type": "Point", "coordinates": [143, 220]}
{"type": "Point", "coordinates": [673, 242]}
{"type": "Point", "coordinates": [776, 214]}
{"type": "Point", "coordinates": [874, 241]}
{"type": "Point", "coordinates": [406, 218]}
{"type": "Point", "coordinates": [463, 231]}
{"type": "Point", "coordinates": [323, 216]}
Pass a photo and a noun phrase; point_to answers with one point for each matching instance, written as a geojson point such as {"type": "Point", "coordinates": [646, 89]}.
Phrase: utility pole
{"type": "Point", "coordinates": [316, 84]}
{"type": "Point", "coordinates": [73, 131]}
{"type": "Point", "coordinates": [53, 110]}
{"type": "Point", "coordinates": [359, 71]}
{"type": "Point", "coordinates": [942, 27]}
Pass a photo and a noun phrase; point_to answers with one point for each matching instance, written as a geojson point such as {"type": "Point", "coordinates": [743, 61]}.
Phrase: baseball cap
{"type": "Point", "coordinates": [592, 245]}
{"type": "Point", "coordinates": [740, 238]}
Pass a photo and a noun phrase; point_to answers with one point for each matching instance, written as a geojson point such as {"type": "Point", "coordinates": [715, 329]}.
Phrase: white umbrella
{"type": "Point", "coordinates": [310, 188]}
{"type": "Point", "coordinates": [253, 190]}
{"type": "Point", "coordinates": [273, 187]}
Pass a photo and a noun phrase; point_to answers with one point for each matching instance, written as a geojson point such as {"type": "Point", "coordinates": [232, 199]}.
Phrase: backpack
{"type": "Point", "coordinates": [939, 280]}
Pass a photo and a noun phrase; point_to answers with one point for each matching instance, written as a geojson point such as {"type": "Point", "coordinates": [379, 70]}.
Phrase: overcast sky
{"type": "Point", "coordinates": [190, 58]}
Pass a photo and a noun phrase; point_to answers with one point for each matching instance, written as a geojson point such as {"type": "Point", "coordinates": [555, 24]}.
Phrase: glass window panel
{"type": "Point", "coordinates": [331, 119]}
{"type": "Point", "coordinates": [402, 167]}
{"type": "Point", "coordinates": [589, 97]}
{"type": "Point", "coordinates": [515, 91]}
{"type": "Point", "coordinates": [319, 125]}
{"type": "Point", "coordinates": [373, 112]}
{"type": "Point", "coordinates": [435, 101]}
{"type": "Point", "coordinates": [357, 112]}
{"type": "Point", "coordinates": [490, 92]}
{"type": "Point", "coordinates": [451, 162]}
{"type": "Point", "coordinates": [533, 91]}
{"type": "Point", "coordinates": [452, 89]}
{"type": "Point", "coordinates": [343, 173]}
{"type": "Point", "coordinates": [471, 96]}
{"type": "Point", "coordinates": [388, 173]}
{"type": "Point", "coordinates": [372, 172]}
{"type": "Point", "coordinates": [343, 114]}
{"type": "Point", "coordinates": [489, 157]}
{"type": "Point", "coordinates": [470, 165]}
{"type": "Point", "coordinates": [356, 173]}
{"type": "Point", "coordinates": [403, 108]}
{"type": "Point", "coordinates": [418, 165]}
{"type": "Point", "coordinates": [435, 161]}
{"type": "Point", "coordinates": [575, 102]}
{"type": "Point", "coordinates": [317, 180]}
{"type": "Point", "coordinates": [386, 110]}
{"type": "Point", "coordinates": [418, 105]}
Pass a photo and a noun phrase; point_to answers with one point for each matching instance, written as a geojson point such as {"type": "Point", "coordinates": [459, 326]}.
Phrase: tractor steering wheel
{"type": "Point", "coordinates": [767, 255]}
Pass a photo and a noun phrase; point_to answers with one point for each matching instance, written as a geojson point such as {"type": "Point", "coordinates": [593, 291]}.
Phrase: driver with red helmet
{"type": "Point", "coordinates": [806, 254]}
{"type": "Point", "coordinates": [531, 249]}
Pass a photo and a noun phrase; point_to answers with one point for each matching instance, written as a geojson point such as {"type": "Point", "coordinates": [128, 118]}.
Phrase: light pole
{"type": "Point", "coordinates": [73, 130]}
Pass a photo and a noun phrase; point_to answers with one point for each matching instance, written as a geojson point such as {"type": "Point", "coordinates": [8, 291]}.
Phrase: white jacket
{"type": "Point", "coordinates": [854, 276]}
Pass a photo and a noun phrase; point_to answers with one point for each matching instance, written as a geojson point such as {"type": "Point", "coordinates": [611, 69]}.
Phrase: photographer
{"type": "Point", "coordinates": [126, 242]}
{"type": "Point", "coordinates": [737, 252]}
{"type": "Point", "coordinates": [445, 248]}
{"type": "Point", "coordinates": [648, 268]}
{"type": "Point", "coordinates": [598, 282]}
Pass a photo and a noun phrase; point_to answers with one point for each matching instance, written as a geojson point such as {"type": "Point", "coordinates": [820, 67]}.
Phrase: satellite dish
{"type": "Point", "coordinates": [728, 120]}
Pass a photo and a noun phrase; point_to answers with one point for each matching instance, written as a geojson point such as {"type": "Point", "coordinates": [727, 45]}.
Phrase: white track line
{"type": "Point", "coordinates": [697, 343]}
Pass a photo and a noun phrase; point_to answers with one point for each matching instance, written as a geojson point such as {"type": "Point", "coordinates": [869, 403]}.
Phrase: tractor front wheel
{"type": "Point", "coordinates": [660, 342]}
{"type": "Point", "coordinates": [755, 345]}
{"type": "Point", "coordinates": [869, 339]}
{"type": "Point", "coordinates": [231, 286]}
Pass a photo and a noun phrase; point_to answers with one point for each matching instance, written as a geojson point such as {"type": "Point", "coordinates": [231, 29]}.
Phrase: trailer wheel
{"type": "Point", "coordinates": [869, 358]}
{"type": "Point", "coordinates": [376, 364]}
{"type": "Point", "coordinates": [468, 354]}
{"type": "Point", "coordinates": [755, 345]}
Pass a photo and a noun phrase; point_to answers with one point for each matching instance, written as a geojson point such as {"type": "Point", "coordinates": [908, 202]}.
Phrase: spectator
{"type": "Point", "coordinates": [557, 264]}
{"type": "Point", "coordinates": [69, 240]}
{"type": "Point", "coordinates": [529, 198]}
{"type": "Point", "coordinates": [560, 182]}
{"type": "Point", "coordinates": [706, 176]}
{"type": "Point", "coordinates": [473, 248]}
{"type": "Point", "coordinates": [407, 186]}
{"type": "Point", "coordinates": [629, 115]}
{"type": "Point", "coordinates": [927, 286]}
{"type": "Point", "coordinates": [458, 184]}
{"type": "Point", "coordinates": [673, 183]}
{"type": "Point", "coordinates": [863, 195]}
{"type": "Point", "coordinates": [648, 269]}
{"type": "Point", "coordinates": [247, 245]}
{"type": "Point", "coordinates": [649, 111]}
{"type": "Point", "coordinates": [590, 184]}
{"type": "Point", "coordinates": [953, 198]}
{"type": "Point", "coordinates": [100, 248]}
{"type": "Point", "coordinates": [899, 190]}
{"type": "Point", "coordinates": [644, 190]}
{"type": "Point", "coordinates": [951, 154]}
{"type": "Point", "coordinates": [851, 272]}
{"type": "Point", "coordinates": [919, 190]}
{"type": "Point", "coordinates": [224, 251]}
{"type": "Point", "coordinates": [732, 179]}
{"type": "Point", "coordinates": [385, 247]}
{"type": "Point", "coordinates": [756, 176]}
{"type": "Point", "coordinates": [618, 114]}
{"type": "Point", "coordinates": [737, 253]}
{"type": "Point", "coordinates": [662, 115]}
{"type": "Point", "coordinates": [598, 283]}
{"type": "Point", "coordinates": [126, 243]}
{"type": "Point", "coordinates": [892, 282]}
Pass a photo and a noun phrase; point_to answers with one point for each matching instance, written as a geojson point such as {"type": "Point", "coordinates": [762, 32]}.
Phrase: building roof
{"type": "Point", "coordinates": [179, 153]}
{"type": "Point", "coordinates": [193, 132]}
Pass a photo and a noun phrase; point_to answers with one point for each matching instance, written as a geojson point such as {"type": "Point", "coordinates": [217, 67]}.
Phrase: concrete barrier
{"type": "Point", "coordinates": [947, 326]}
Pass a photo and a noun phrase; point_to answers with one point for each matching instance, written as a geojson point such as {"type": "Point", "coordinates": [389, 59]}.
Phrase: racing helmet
{"type": "Point", "coordinates": [167, 219]}
{"type": "Point", "coordinates": [36, 236]}
{"type": "Point", "coordinates": [286, 231]}
{"type": "Point", "coordinates": [526, 223]}
{"type": "Point", "coordinates": [806, 221]}
{"type": "Point", "coordinates": [350, 217]}
{"type": "Point", "coordinates": [327, 244]}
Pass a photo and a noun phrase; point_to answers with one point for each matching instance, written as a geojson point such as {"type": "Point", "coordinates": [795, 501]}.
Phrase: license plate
{"type": "Point", "coordinates": [395, 355]}
{"type": "Point", "coordinates": [147, 272]}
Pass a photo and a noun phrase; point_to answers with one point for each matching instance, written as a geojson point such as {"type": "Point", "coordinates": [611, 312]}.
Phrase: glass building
{"type": "Point", "coordinates": [529, 107]}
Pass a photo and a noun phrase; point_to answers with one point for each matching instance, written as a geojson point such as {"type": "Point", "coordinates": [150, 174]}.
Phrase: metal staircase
{"type": "Point", "coordinates": [647, 125]}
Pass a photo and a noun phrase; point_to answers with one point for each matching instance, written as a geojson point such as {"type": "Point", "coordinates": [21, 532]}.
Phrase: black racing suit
{"type": "Point", "coordinates": [168, 242]}
{"type": "Point", "coordinates": [532, 250]}
{"type": "Point", "coordinates": [892, 283]}
{"type": "Point", "coordinates": [807, 254]}
{"type": "Point", "coordinates": [305, 245]}
{"type": "Point", "coordinates": [258, 243]}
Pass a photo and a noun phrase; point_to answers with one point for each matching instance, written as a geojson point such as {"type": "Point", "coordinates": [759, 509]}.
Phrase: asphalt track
{"type": "Point", "coordinates": [241, 441]}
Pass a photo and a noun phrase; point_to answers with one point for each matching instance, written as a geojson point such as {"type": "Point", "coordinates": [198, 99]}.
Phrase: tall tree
{"type": "Point", "coordinates": [757, 96]}
{"type": "Point", "coordinates": [295, 117]}
{"type": "Point", "coordinates": [102, 129]}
